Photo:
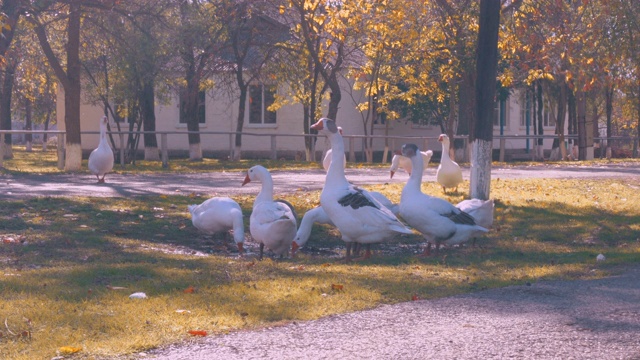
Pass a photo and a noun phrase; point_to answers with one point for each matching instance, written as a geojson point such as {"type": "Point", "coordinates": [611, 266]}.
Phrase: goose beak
{"type": "Point", "coordinates": [317, 126]}
{"type": "Point", "coordinates": [294, 248]}
{"type": "Point", "coordinates": [397, 152]}
{"type": "Point", "coordinates": [392, 172]}
{"type": "Point", "coordinates": [246, 180]}
{"type": "Point", "coordinates": [440, 138]}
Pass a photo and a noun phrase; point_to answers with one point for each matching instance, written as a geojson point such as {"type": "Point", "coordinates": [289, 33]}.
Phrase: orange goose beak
{"type": "Point", "coordinates": [317, 126]}
{"type": "Point", "coordinates": [294, 248]}
{"type": "Point", "coordinates": [246, 180]}
{"type": "Point", "coordinates": [240, 248]}
{"type": "Point", "coordinates": [392, 172]}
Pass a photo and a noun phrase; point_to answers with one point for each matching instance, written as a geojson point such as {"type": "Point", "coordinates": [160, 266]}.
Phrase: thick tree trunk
{"type": "Point", "coordinates": [73, 156]}
{"type": "Point", "coordinates": [5, 107]}
{"type": "Point", "coordinates": [559, 149]}
{"type": "Point", "coordinates": [609, 113]}
{"type": "Point", "coordinates": [486, 63]}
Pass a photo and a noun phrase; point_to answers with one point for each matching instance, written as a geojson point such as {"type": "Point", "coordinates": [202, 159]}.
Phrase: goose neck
{"type": "Point", "coordinates": [266, 191]}
{"type": "Point", "coordinates": [336, 169]}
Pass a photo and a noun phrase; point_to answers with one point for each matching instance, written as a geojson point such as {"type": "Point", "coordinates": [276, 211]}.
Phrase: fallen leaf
{"type": "Point", "coordinates": [68, 350]}
{"type": "Point", "coordinates": [189, 290]}
{"type": "Point", "coordinates": [197, 332]}
{"type": "Point", "coordinates": [325, 265]}
{"type": "Point", "coordinates": [415, 297]}
{"type": "Point", "coordinates": [337, 286]}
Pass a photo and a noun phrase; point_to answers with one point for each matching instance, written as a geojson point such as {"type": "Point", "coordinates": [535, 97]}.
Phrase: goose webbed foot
{"type": "Point", "coordinates": [367, 254]}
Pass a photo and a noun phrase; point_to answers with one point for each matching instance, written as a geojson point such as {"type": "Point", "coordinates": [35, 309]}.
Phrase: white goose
{"type": "Point", "coordinates": [272, 223]}
{"type": "Point", "coordinates": [327, 157]}
{"type": "Point", "coordinates": [219, 214]}
{"type": "Point", "coordinates": [101, 158]}
{"type": "Point", "coordinates": [449, 174]}
{"type": "Point", "coordinates": [438, 220]}
{"type": "Point", "coordinates": [318, 215]}
{"type": "Point", "coordinates": [400, 161]}
{"type": "Point", "coordinates": [358, 215]}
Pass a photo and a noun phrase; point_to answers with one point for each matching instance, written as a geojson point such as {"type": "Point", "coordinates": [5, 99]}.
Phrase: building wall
{"type": "Point", "coordinates": [221, 113]}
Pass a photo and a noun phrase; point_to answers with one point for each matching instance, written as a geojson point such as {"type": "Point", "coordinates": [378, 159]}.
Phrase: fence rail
{"type": "Point", "coordinates": [351, 139]}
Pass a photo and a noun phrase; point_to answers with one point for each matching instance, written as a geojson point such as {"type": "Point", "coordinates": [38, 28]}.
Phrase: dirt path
{"type": "Point", "coordinates": [593, 319]}
{"type": "Point", "coordinates": [229, 183]}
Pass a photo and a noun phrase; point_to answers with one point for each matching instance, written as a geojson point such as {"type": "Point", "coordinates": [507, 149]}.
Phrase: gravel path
{"type": "Point", "coordinates": [229, 183]}
{"type": "Point", "coordinates": [588, 319]}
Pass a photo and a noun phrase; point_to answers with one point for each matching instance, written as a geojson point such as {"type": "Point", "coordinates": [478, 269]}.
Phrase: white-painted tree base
{"type": "Point", "coordinates": [480, 180]}
{"type": "Point", "coordinates": [151, 154]}
{"type": "Point", "coordinates": [237, 153]}
{"type": "Point", "coordinates": [195, 152]}
{"type": "Point", "coordinates": [7, 150]}
{"type": "Point", "coordinates": [73, 157]}
{"type": "Point", "coordinates": [29, 146]}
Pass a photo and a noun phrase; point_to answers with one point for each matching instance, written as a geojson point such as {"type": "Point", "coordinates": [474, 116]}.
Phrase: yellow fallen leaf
{"type": "Point", "coordinates": [68, 350]}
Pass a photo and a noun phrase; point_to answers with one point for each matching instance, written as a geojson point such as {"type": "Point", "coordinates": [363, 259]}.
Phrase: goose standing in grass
{"type": "Point", "coordinates": [272, 223]}
{"type": "Point", "coordinates": [359, 217]}
{"type": "Point", "coordinates": [400, 161]}
{"type": "Point", "coordinates": [438, 220]}
{"type": "Point", "coordinates": [449, 174]}
{"type": "Point", "coordinates": [319, 216]}
{"type": "Point", "coordinates": [101, 158]}
{"type": "Point", "coordinates": [219, 214]}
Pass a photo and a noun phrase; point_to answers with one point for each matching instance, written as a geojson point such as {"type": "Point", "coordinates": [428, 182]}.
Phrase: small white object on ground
{"type": "Point", "coordinates": [138, 295]}
{"type": "Point", "coordinates": [600, 257]}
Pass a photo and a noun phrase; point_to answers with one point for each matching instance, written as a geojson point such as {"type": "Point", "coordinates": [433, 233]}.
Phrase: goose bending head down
{"type": "Point", "coordinates": [359, 217]}
{"type": "Point", "coordinates": [399, 161]}
{"type": "Point", "coordinates": [101, 158]}
{"type": "Point", "coordinates": [438, 220]}
{"type": "Point", "coordinates": [272, 223]}
{"type": "Point", "coordinates": [219, 214]}
{"type": "Point", "coordinates": [319, 216]}
{"type": "Point", "coordinates": [449, 174]}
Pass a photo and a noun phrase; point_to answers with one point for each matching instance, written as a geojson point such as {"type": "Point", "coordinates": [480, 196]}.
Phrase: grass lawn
{"type": "Point", "coordinates": [68, 265]}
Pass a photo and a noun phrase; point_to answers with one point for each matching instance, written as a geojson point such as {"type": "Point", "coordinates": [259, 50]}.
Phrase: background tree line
{"type": "Point", "coordinates": [414, 60]}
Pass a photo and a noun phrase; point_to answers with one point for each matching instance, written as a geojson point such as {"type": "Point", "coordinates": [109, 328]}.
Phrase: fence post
{"type": "Point", "coordinates": [61, 151]}
{"type": "Point", "coordinates": [502, 143]}
{"type": "Point", "coordinates": [164, 153]}
{"type": "Point", "coordinates": [274, 152]}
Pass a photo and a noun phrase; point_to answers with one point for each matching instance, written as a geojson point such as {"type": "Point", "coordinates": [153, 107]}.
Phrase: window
{"type": "Point", "coordinates": [527, 103]}
{"type": "Point", "coordinates": [496, 113]}
{"type": "Point", "coordinates": [200, 114]}
{"type": "Point", "coordinates": [260, 98]}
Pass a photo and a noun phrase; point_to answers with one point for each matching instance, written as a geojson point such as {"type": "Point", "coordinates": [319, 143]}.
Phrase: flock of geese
{"type": "Point", "coordinates": [362, 217]}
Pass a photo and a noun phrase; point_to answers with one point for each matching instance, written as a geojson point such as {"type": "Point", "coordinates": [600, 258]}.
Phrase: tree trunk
{"type": "Point", "coordinates": [147, 108]}
{"type": "Point", "coordinates": [466, 112]}
{"type": "Point", "coordinates": [28, 125]}
{"type": "Point", "coordinates": [609, 113]}
{"type": "Point", "coordinates": [72, 92]}
{"type": "Point", "coordinates": [5, 107]}
{"type": "Point", "coordinates": [540, 120]}
{"type": "Point", "coordinates": [486, 65]}
{"type": "Point", "coordinates": [237, 151]}
{"type": "Point", "coordinates": [573, 123]}
{"type": "Point", "coordinates": [559, 147]}
{"type": "Point", "coordinates": [190, 114]}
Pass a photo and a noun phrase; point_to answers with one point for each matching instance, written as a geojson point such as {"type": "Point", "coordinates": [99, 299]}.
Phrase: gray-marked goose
{"type": "Point", "coordinates": [359, 217]}
{"type": "Point", "coordinates": [438, 220]}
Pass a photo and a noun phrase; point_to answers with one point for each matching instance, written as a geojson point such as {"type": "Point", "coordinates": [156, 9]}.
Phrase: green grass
{"type": "Point", "coordinates": [64, 262]}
